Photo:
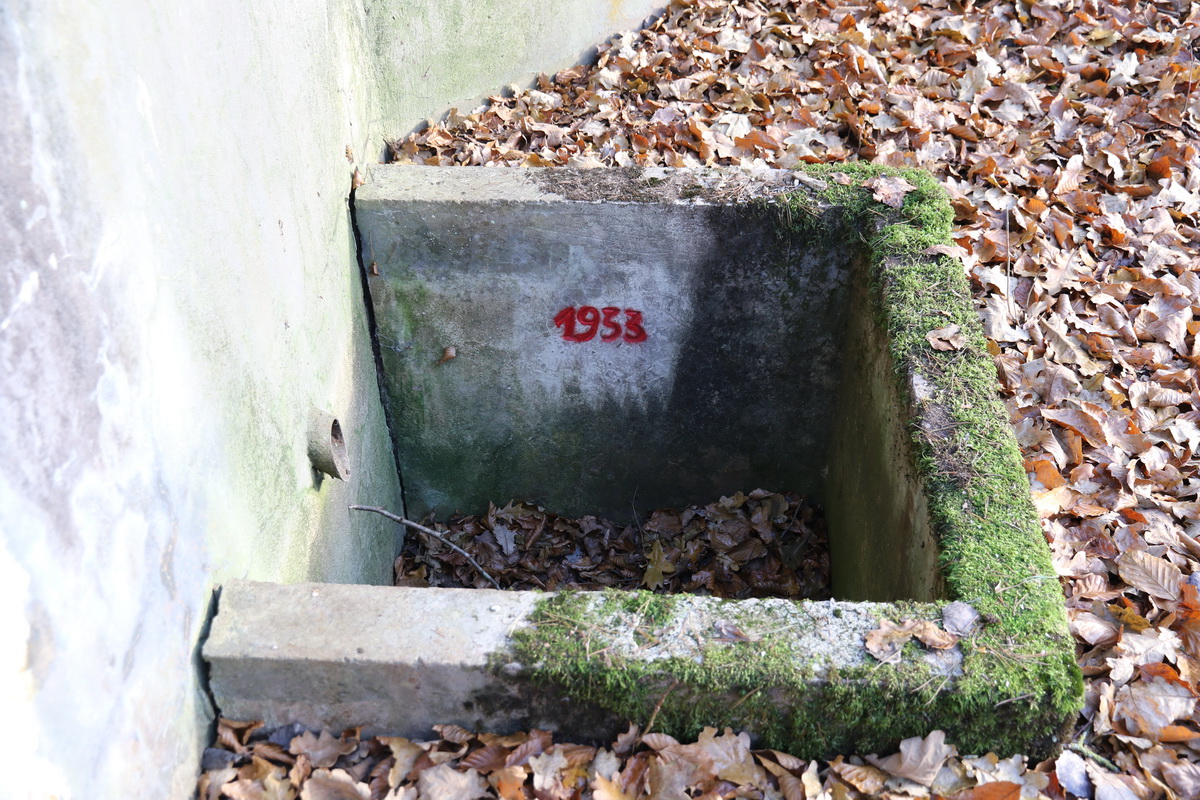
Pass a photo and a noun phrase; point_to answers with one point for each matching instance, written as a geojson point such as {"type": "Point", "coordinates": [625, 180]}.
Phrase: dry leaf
{"type": "Point", "coordinates": [1155, 576]}
{"type": "Point", "coordinates": [996, 790]}
{"type": "Point", "coordinates": [609, 789]}
{"type": "Point", "coordinates": [335, 785]}
{"type": "Point", "coordinates": [888, 640]}
{"type": "Point", "coordinates": [947, 338]}
{"type": "Point", "coordinates": [509, 782]}
{"type": "Point", "coordinates": [1150, 705]}
{"type": "Point", "coordinates": [933, 636]}
{"type": "Point", "coordinates": [889, 190]}
{"type": "Point", "coordinates": [863, 778]}
{"type": "Point", "coordinates": [1072, 774]}
{"type": "Point", "coordinates": [960, 618]}
{"type": "Point", "coordinates": [918, 760]}
{"type": "Point", "coordinates": [444, 782]}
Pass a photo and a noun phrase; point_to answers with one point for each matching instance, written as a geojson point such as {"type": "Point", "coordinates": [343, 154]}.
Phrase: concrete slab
{"type": "Point", "coordinates": [399, 661]}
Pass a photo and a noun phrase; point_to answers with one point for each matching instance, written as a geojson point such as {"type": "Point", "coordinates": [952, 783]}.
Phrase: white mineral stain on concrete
{"type": "Point", "coordinates": [602, 372]}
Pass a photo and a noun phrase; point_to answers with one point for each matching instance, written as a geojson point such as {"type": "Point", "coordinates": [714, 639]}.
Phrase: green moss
{"type": "Point", "coordinates": [992, 549]}
{"type": "Point", "coordinates": [762, 686]}
{"type": "Point", "coordinates": [1019, 685]}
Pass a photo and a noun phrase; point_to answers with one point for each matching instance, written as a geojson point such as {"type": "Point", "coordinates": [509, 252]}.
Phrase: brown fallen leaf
{"type": "Point", "coordinates": [888, 640]}
{"type": "Point", "coordinates": [336, 785]}
{"type": "Point", "coordinates": [609, 789]}
{"type": "Point", "coordinates": [996, 790]}
{"type": "Point", "coordinates": [889, 190]}
{"type": "Point", "coordinates": [444, 782]}
{"type": "Point", "coordinates": [953, 250]}
{"type": "Point", "coordinates": [947, 338]}
{"type": "Point", "coordinates": [919, 759]}
{"type": "Point", "coordinates": [867, 779]}
{"type": "Point", "coordinates": [234, 735]}
{"type": "Point", "coordinates": [933, 636]}
{"type": "Point", "coordinates": [657, 566]}
{"type": "Point", "coordinates": [321, 750]}
{"type": "Point", "coordinates": [1155, 576]}
{"type": "Point", "coordinates": [1148, 706]}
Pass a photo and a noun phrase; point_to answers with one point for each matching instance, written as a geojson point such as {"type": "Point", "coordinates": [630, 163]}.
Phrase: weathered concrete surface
{"type": "Point", "coordinates": [394, 660]}
{"type": "Point", "coordinates": [398, 661]}
{"type": "Point", "coordinates": [178, 292]}
{"type": "Point", "coordinates": [732, 387]}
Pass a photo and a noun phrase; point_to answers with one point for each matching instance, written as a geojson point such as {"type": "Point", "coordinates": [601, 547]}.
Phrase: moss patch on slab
{"type": "Point", "coordinates": [1019, 687]}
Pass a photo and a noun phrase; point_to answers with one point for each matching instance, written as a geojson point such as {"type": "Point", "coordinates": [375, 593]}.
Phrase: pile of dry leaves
{"type": "Point", "coordinates": [762, 545]}
{"type": "Point", "coordinates": [1066, 133]}
{"type": "Point", "coordinates": [290, 762]}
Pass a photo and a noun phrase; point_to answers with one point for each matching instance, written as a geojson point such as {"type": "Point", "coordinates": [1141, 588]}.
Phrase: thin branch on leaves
{"type": "Point", "coordinates": [416, 526]}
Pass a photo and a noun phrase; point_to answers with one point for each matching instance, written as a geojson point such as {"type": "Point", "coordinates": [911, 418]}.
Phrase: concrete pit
{"type": "Point", "coordinates": [599, 341]}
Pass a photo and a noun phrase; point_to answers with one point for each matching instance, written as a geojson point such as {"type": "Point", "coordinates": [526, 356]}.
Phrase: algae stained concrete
{"type": "Point", "coordinates": [179, 291]}
{"type": "Point", "coordinates": [725, 384]}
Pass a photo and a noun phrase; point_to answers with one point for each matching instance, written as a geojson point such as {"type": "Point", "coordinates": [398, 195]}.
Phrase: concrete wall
{"type": "Point", "coordinates": [178, 290]}
{"type": "Point", "coordinates": [726, 385]}
{"type": "Point", "coordinates": [429, 53]}
{"type": "Point", "coordinates": [884, 546]}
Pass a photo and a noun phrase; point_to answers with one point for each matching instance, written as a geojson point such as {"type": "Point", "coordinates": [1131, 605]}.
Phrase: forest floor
{"type": "Point", "coordinates": [1067, 134]}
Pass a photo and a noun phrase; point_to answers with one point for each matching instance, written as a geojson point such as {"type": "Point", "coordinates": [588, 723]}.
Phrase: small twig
{"type": "Point", "coordinates": [657, 708]}
{"type": "Point", "coordinates": [745, 697]}
{"type": "Point", "coordinates": [1084, 750]}
{"type": "Point", "coordinates": [1000, 589]}
{"type": "Point", "coordinates": [416, 526]}
{"type": "Point", "coordinates": [633, 505]}
{"type": "Point", "coordinates": [1014, 699]}
{"type": "Point", "coordinates": [938, 690]}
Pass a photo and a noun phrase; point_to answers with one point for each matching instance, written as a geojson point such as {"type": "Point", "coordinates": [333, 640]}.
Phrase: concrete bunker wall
{"type": "Point", "coordinates": [178, 292]}
{"type": "Point", "coordinates": [806, 684]}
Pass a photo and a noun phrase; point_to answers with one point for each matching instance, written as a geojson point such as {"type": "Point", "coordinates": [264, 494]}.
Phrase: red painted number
{"type": "Point", "coordinates": [634, 332]}
{"type": "Point", "coordinates": [583, 323]}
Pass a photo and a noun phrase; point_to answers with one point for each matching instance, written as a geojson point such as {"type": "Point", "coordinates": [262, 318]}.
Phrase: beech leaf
{"type": "Point", "coordinates": [444, 782]}
{"type": "Point", "coordinates": [889, 190]}
{"type": "Point", "coordinates": [919, 759]}
{"type": "Point", "coordinates": [1155, 576]}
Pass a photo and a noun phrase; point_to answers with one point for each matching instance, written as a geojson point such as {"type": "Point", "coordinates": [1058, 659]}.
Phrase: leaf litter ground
{"type": "Point", "coordinates": [762, 545]}
{"type": "Point", "coordinates": [1066, 133]}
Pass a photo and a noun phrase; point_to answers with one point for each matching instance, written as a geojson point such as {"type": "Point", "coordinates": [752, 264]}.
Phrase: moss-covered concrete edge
{"type": "Point", "coordinates": [1020, 688]}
